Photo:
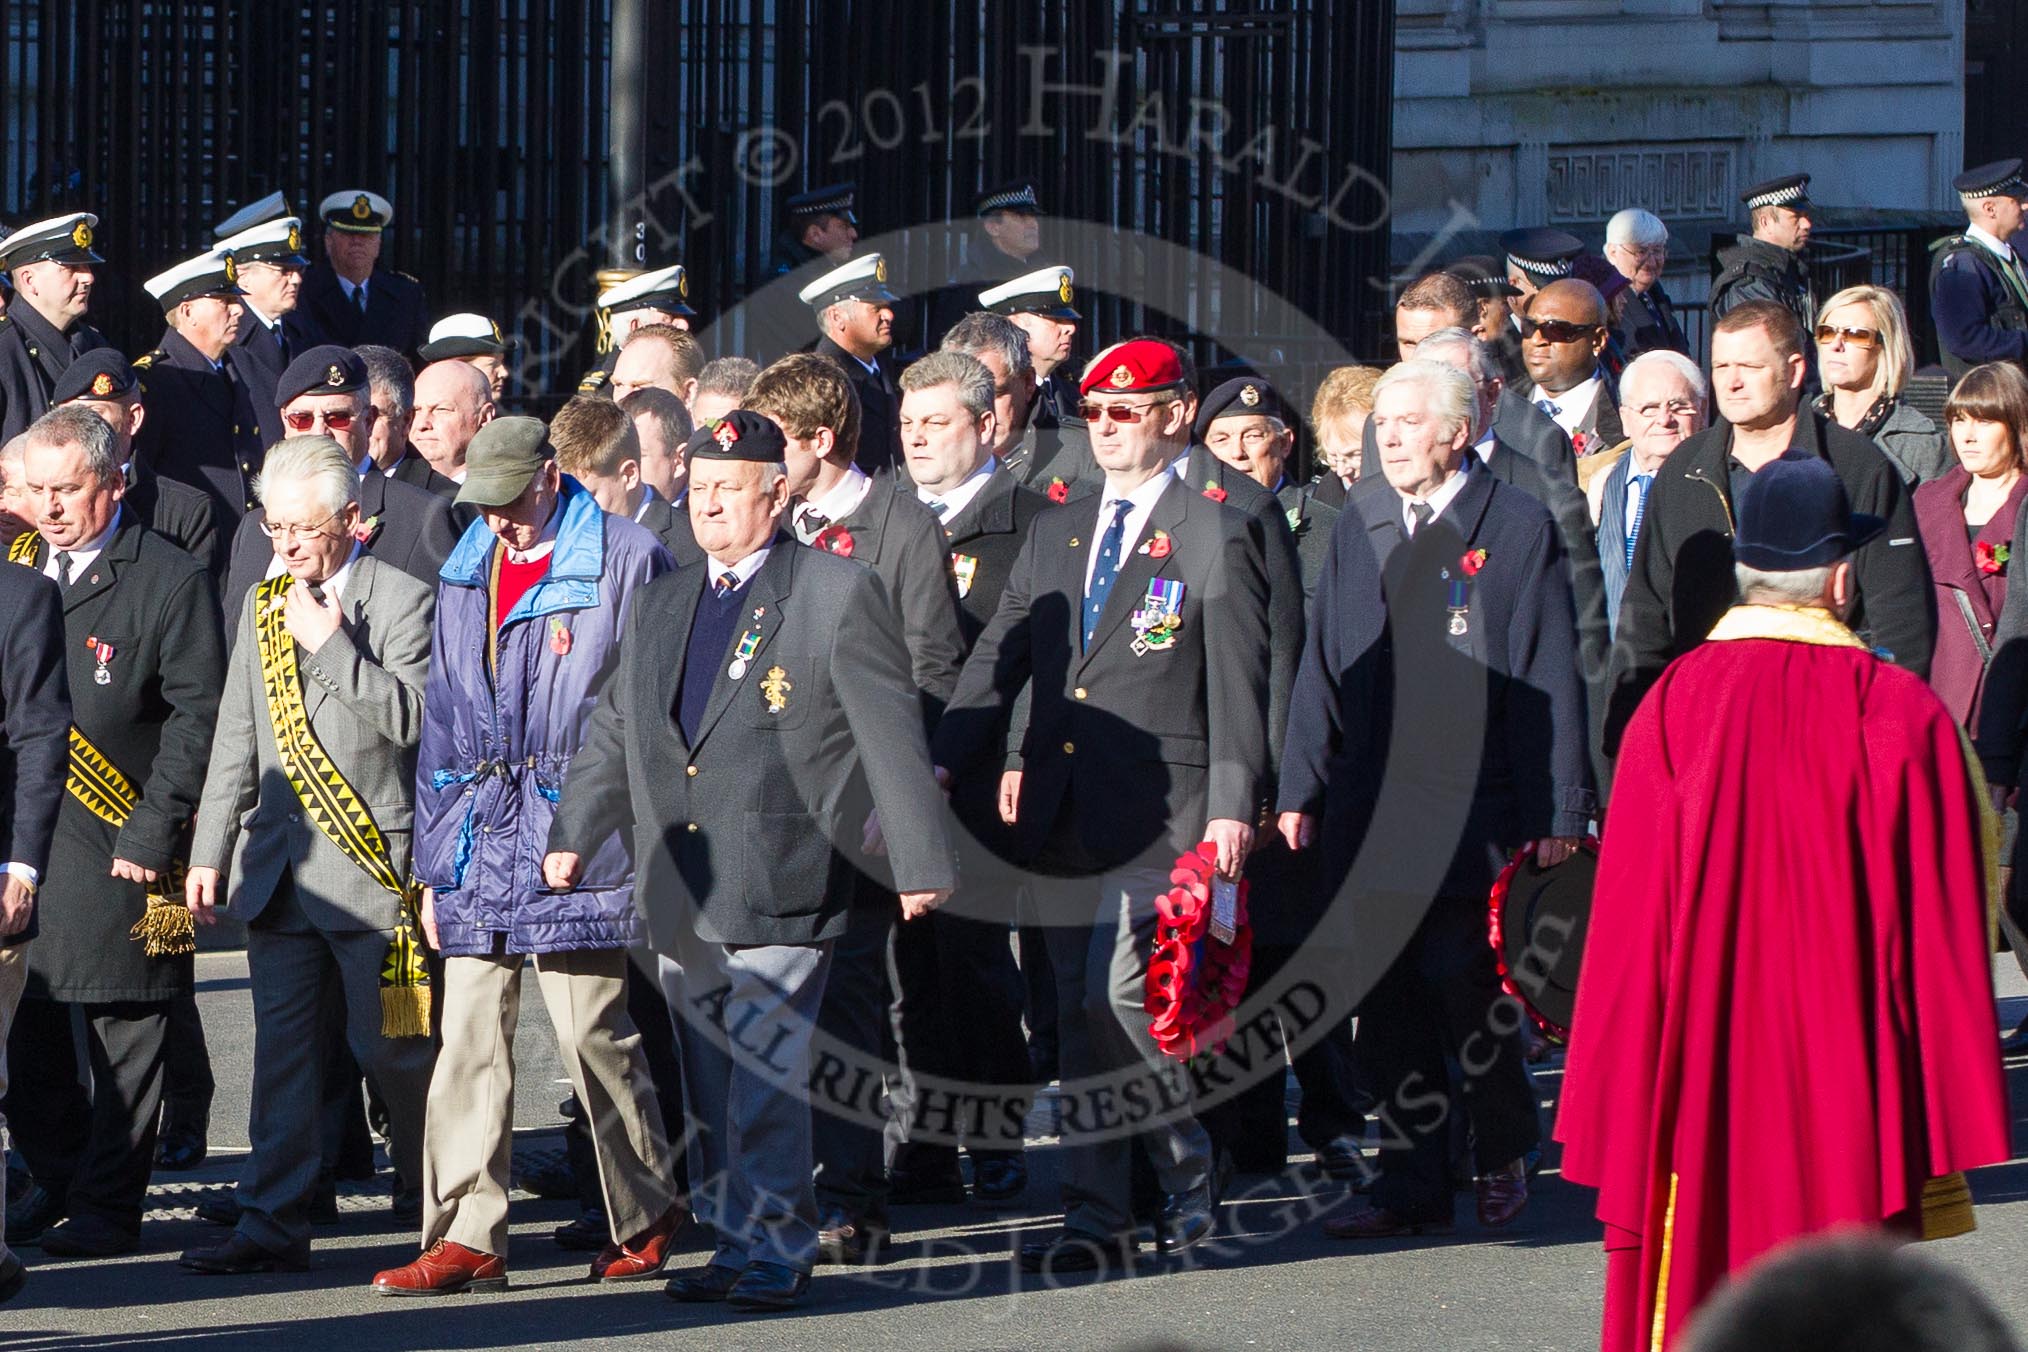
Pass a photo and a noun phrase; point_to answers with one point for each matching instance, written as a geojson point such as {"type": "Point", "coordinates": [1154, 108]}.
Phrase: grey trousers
{"type": "Point", "coordinates": [1102, 1031]}
{"type": "Point", "coordinates": [293, 968]}
{"type": "Point", "coordinates": [744, 1016]}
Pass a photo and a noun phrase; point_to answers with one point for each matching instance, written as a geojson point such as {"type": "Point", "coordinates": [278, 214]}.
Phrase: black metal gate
{"type": "Point", "coordinates": [1252, 135]}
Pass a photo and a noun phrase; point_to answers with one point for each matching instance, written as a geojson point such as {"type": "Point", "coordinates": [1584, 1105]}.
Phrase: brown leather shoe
{"type": "Point", "coordinates": [442, 1269]}
{"type": "Point", "coordinates": [1373, 1222]}
{"type": "Point", "coordinates": [1502, 1195]}
{"type": "Point", "coordinates": [644, 1255]}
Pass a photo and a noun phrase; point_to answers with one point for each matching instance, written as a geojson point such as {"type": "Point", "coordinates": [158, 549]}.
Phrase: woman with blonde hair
{"type": "Point", "coordinates": [1865, 358]}
{"type": "Point", "coordinates": [1338, 414]}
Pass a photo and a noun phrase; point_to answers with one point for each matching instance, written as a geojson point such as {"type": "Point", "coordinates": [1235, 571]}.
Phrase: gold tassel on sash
{"type": "Point", "coordinates": [336, 809]}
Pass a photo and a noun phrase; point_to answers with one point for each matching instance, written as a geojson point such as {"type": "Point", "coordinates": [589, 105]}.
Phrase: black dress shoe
{"type": "Point", "coordinates": [848, 1243]}
{"type": "Point", "coordinates": [179, 1150]}
{"type": "Point", "coordinates": [701, 1284]}
{"type": "Point", "coordinates": [1340, 1159]}
{"type": "Point", "coordinates": [999, 1178]}
{"type": "Point", "coordinates": [589, 1233]}
{"type": "Point", "coordinates": [87, 1237]}
{"type": "Point", "coordinates": [1071, 1251]}
{"type": "Point", "coordinates": [406, 1206]}
{"type": "Point", "coordinates": [224, 1211]}
{"type": "Point", "coordinates": [910, 1189]}
{"type": "Point", "coordinates": [26, 1222]}
{"type": "Point", "coordinates": [1187, 1217]}
{"type": "Point", "coordinates": [13, 1276]}
{"type": "Point", "coordinates": [323, 1208]}
{"type": "Point", "coordinates": [767, 1286]}
{"type": "Point", "coordinates": [238, 1256]}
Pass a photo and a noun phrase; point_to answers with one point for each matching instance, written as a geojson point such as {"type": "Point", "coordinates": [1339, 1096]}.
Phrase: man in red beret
{"type": "Point", "coordinates": [1140, 617]}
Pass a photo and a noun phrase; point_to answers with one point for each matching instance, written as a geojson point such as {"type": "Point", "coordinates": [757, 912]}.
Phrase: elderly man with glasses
{"type": "Point", "coordinates": [326, 392]}
{"type": "Point", "coordinates": [303, 831]}
{"type": "Point", "coordinates": [1663, 402]}
{"type": "Point", "coordinates": [1637, 244]}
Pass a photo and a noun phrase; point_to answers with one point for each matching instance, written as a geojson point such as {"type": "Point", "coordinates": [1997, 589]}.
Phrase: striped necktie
{"type": "Point", "coordinates": [1638, 487]}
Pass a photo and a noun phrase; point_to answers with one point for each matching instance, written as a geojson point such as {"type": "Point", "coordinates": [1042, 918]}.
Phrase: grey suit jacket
{"type": "Point", "coordinates": [736, 834]}
{"type": "Point", "coordinates": [364, 693]}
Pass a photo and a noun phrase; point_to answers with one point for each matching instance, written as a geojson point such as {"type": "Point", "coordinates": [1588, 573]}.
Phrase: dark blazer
{"type": "Point", "coordinates": [671, 525]}
{"type": "Point", "coordinates": [32, 357]}
{"type": "Point", "coordinates": [1647, 322]}
{"type": "Point", "coordinates": [1532, 432]}
{"type": "Point", "coordinates": [984, 540]}
{"type": "Point", "coordinates": [1600, 426]}
{"type": "Point", "coordinates": [417, 472]}
{"type": "Point", "coordinates": [1311, 520]}
{"type": "Point", "coordinates": [879, 408]}
{"type": "Point", "coordinates": [34, 724]}
{"type": "Point", "coordinates": [416, 534]}
{"type": "Point", "coordinates": [396, 314]}
{"type": "Point", "coordinates": [154, 605]}
{"type": "Point", "coordinates": [1126, 756]}
{"type": "Point", "coordinates": [1957, 669]}
{"type": "Point", "coordinates": [1204, 472]}
{"type": "Point", "coordinates": [260, 359]}
{"type": "Point", "coordinates": [200, 427]}
{"type": "Point", "coordinates": [1682, 578]}
{"type": "Point", "coordinates": [1495, 715]}
{"type": "Point", "coordinates": [180, 514]}
{"type": "Point", "coordinates": [1329, 488]}
{"type": "Point", "coordinates": [1058, 451]}
{"type": "Point", "coordinates": [740, 841]}
{"type": "Point", "coordinates": [903, 543]}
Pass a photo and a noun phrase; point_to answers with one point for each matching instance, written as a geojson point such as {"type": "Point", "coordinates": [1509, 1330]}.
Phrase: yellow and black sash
{"type": "Point", "coordinates": [164, 928]}
{"type": "Point", "coordinates": [335, 807]}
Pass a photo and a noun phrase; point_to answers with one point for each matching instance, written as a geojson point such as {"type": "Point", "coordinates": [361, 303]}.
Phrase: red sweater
{"type": "Point", "coordinates": [515, 580]}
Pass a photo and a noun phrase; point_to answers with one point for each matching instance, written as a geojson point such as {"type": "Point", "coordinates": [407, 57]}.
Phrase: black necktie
{"type": "Point", "coordinates": [812, 520]}
{"type": "Point", "coordinates": [63, 567]}
{"type": "Point", "coordinates": [359, 297]}
{"type": "Point", "coordinates": [1422, 512]}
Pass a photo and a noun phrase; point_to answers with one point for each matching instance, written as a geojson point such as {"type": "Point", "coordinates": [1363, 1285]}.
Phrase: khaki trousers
{"type": "Point", "coordinates": [468, 1136]}
{"type": "Point", "coordinates": [13, 977]}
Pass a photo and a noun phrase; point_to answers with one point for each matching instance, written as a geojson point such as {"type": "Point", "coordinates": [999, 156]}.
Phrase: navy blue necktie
{"type": "Point", "coordinates": [1639, 483]}
{"type": "Point", "coordinates": [1106, 568]}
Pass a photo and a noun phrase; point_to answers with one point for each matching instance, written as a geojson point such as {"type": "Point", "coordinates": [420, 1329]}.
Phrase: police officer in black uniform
{"type": "Point", "coordinates": [1768, 264]}
{"type": "Point", "coordinates": [351, 300]}
{"type": "Point", "coordinates": [660, 296]}
{"type": "Point", "coordinates": [1978, 292]}
{"type": "Point", "coordinates": [1003, 247]}
{"type": "Point", "coordinates": [269, 255]}
{"type": "Point", "coordinates": [201, 427]}
{"type": "Point", "coordinates": [43, 330]}
{"type": "Point", "coordinates": [1494, 323]}
{"type": "Point", "coordinates": [821, 227]}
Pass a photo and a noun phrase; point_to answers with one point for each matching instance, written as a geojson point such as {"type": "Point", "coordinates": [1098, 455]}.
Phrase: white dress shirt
{"type": "Point", "coordinates": [1143, 500]}
{"type": "Point", "coordinates": [960, 497]}
{"type": "Point", "coordinates": [743, 570]}
{"type": "Point", "coordinates": [843, 500]}
{"type": "Point", "coordinates": [84, 554]}
{"type": "Point", "coordinates": [1446, 494]}
{"type": "Point", "coordinates": [333, 586]}
{"type": "Point", "coordinates": [1573, 404]}
{"type": "Point", "coordinates": [1992, 244]}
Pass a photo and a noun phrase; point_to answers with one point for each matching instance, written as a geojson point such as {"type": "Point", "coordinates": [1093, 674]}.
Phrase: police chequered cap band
{"type": "Point", "coordinates": [1999, 179]}
{"type": "Point", "coordinates": [1018, 199]}
{"type": "Point", "coordinates": [831, 204]}
{"type": "Point", "coordinates": [1547, 270]}
{"type": "Point", "coordinates": [1779, 194]}
{"type": "Point", "coordinates": [2009, 187]}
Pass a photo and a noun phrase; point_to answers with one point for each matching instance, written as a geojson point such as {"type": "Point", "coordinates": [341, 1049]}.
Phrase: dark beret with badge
{"type": "Point", "coordinates": [740, 435]}
{"type": "Point", "coordinates": [60, 239]}
{"type": "Point", "coordinates": [101, 374]}
{"type": "Point", "coordinates": [1242, 397]}
{"type": "Point", "coordinates": [329, 369]}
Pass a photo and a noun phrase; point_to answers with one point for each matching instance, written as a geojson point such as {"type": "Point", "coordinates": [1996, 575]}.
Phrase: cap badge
{"type": "Point", "coordinates": [361, 207]}
{"type": "Point", "coordinates": [102, 384]}
{"type": "Point", "coordinates": [725, 433]}
{"type": "Point", "coordinates": [295, 238]}
{"type": "Point", "coordinates": [1249, 395]}
{"type": "Point", "coordinates": [683, 285]}
{"type": "Point", "coordinates": [1063, 289]}
{"type": "Point", "coordinates": [231, 270]}
{"type": "Point", "coordinates": [1120, 378]}
{"type": "Point", "coordinates": [334, 376]}
{"type": "Point", "coordinates": [81, 235]}
{"type": "Point", "coordinates": [880, 270]}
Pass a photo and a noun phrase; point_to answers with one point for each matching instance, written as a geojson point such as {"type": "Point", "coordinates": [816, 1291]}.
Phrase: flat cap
{"type": "Point", "coordinates": [503, 460]}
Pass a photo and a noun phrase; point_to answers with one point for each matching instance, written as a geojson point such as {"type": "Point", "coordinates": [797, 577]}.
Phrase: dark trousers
{"type": "Point", "coordinates": [1441, 999]}
{"type": "Point", "coordinates": [957, 1003]}
{"type": "Point", "coordinates": [850, 1154]}
{"type": "Point", "coordinates": [188, 1086]}
{"type": "Point", "coordinates": [94, 1149]}
{"type": "Point", "coordinates": [1038, 980]}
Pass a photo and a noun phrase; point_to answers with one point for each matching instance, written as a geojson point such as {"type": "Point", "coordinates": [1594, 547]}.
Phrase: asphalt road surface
{"type": "Point", "coordinates": [1269, 1278]}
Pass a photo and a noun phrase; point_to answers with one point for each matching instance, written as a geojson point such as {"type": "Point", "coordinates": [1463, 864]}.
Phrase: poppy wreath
{"type": "Point", "coordinates": [1195, 981]}
{"type": "Point", "coordinates": [1496, 903]}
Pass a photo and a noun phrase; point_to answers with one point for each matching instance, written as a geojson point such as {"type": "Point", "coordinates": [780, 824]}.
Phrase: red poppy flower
{"type": "Point", "coordinates": [1472, 562]}
{"type": "Point", "coordinates": [1059, 492]}
{"type": "Point", "coordinates": [1214, 492]}
{"type": "Point", "coordinates": [834, 539]}
{"type": "Point", "coordinates": [1157, 546]}
{"type": "Point", "coordinates": [1991, 558]}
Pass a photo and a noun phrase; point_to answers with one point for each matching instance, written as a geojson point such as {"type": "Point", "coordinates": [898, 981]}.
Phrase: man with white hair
{"type": "Point", "coordinates": [1663, 402]}
{"type": "Point", "coordinates": [1437, 609]}
{"type": "Point", "coordinates": [1637, 244]}
{"type": "Point", "coordinates": [303, 831]}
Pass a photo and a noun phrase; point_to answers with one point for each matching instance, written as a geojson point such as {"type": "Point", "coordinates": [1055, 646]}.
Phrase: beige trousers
{"type": "Point", "coordinates": [468, 1136]}
{"type": "Point", "coordinates": [13, 977]}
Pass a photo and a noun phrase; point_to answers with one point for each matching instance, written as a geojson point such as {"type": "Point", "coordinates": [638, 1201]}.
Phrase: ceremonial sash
{"type": "Point", "coordinates": [334, 806]}
{"type": "Point", "coordinates": [165, 928]}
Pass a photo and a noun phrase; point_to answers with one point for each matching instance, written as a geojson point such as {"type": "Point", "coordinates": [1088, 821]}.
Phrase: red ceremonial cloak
{"type": "Point", "coordinates": [1785, 1018]}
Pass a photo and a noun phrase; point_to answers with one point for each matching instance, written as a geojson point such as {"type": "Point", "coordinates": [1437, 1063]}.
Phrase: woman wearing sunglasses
{"type": "Point", "coordinates": [1865, 359]}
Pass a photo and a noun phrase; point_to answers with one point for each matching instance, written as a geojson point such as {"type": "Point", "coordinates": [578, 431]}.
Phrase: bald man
{"type": "Point", "coordinates": [453, 400]}
{"type": "Point", "coordinates": [1563, 336]}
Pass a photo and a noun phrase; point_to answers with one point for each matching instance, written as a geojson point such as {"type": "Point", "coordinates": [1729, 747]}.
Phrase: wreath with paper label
{"type": "Point", "coordinates": [1195, 980]}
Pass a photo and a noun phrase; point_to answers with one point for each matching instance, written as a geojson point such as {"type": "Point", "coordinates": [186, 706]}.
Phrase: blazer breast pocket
{"type": "Point", "coordinates": [777, 695]}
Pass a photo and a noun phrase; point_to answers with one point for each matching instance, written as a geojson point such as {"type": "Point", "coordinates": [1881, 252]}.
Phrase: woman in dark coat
{"type": "Point", "coordinates": [1967, 522]}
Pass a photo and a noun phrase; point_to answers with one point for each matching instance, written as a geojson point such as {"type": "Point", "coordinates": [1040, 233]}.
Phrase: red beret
{"type": "Point", "coordinates": [1135, 366]}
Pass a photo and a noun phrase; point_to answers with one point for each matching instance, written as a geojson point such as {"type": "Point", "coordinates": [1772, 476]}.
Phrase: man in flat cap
{"type": "Point", "coordinates": [201, 426]}
{"type": "Point", "coordinates": [1003, 246]}
{"type": "Point", "coordinates": [475, 340]}
{"type": "Point", "coordinates": [661, 296]}
{"type": "Point", "coordinates": [352, 301]}
{"type": "Point", "coordinates": [273, 331]}
{"type": "Point", "coordinates": [1136, 622]}
{"type": "Point", "coordinates": [325, 392]}
{"type": "Point", "coordinates": [43, 330]}
{"type": "Point", "coordinates": [855, 316]}
{"type": "Point", "coordinates": [780, 671]}
{"type": "Point", "coordinates": [1768, 264]}
{"type": "Point", "coordinates": [530, 608]}
{"type": "Point", "coordinates": [1978, 291]}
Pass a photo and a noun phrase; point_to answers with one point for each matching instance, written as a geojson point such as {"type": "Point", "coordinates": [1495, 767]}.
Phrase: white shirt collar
{"type": "Point", "coordinates": [259, 318]}
{"type": "Point", "coordinates": [1141, 506]}
{"type": "Point", "coordinates": [1574, 403]}
{"type": "Point", "coordinates": [544, 542]}
{"type": "Point", "coordinates": [648, 496]}
{"type": "Point", "coordinates": [1441, 499]}
{"type": "Point", "coordinates": [334, 585]}
{"type": "Point", "coordinates": [84, 554]}
{"type": "Point", "coordinates": [743, 570]}
{"type": "Point", "coordinates": [1483, 447]}
{"type": "Point", "coordinates": [1993, 243]}
{"type": "Point", "coordinates": [843, 500]}
{"type": "Point", "coordinates": [960, 497]}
